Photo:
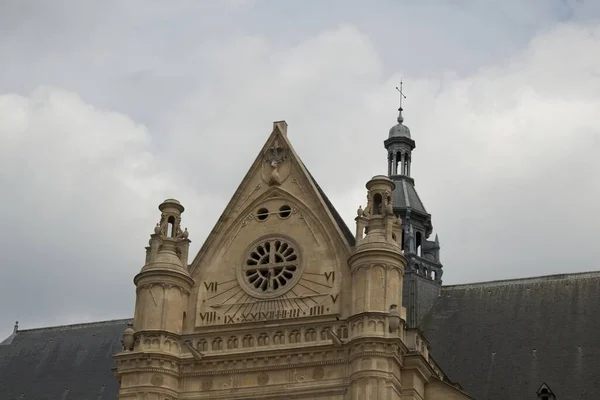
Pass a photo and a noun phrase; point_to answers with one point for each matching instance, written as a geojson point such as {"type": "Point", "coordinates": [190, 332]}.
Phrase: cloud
{"type": "Point", "coordinates": [79, 185]}
{"type": "Point", "coordinates": [505, 146]}
{"type": "Point", "coordinates": [511, 166]}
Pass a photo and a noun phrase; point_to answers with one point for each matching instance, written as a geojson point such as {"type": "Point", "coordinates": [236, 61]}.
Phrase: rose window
{"type": "Point", "coordinates": [271, 267]}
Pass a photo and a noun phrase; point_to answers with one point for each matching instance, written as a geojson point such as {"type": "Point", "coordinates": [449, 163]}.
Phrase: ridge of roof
{"type": "Point", "coordinates": [524, 281]}
{"type": "Point", "coordinates": [78, 326]}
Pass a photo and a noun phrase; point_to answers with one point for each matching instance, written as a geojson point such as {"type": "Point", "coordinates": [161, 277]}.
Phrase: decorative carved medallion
{"type": "Point", "coordinates": [206, 384]}
{"type": "Point", "coordinates": [262, 379]}
{"type": "Point", "coordinates": [318, 373]}
{"type": "Point", "coordinates": [157, 380]}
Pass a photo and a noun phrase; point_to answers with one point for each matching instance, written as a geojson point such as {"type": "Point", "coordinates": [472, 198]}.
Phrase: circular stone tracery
{"type": "Point", "coordinates": [271, 267]}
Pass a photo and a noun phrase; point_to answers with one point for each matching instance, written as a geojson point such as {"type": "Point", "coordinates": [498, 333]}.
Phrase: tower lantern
{"type": "Point", "coordinates": [423, 277]}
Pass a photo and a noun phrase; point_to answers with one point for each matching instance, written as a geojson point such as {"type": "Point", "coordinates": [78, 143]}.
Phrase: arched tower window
{"type": "Point", "coordinates": [418, 243]}
{"type": "Point", "coordinates": [171, 227]}
{"type": "Point", "coordinates": [377, 203]}
{"type": "Point", "coordinates": [402, 242]}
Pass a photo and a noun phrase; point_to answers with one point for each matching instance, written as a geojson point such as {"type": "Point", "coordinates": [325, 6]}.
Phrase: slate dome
{"type": "Point", "coordinates": [400, 130]}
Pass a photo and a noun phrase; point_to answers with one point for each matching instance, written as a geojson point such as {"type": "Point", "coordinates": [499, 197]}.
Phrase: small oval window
{"type": "Point", "coordinates": [262, 214]}
{"type": "Point", "coordinates": [285, 211]}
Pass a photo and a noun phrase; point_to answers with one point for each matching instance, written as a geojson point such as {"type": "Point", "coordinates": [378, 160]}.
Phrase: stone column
{"type": "Point", "coordinates": [402, 160]}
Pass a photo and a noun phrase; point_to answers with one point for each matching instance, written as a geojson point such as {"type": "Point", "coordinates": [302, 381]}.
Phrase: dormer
{"type": "Point", "coordinates": [545, 393]}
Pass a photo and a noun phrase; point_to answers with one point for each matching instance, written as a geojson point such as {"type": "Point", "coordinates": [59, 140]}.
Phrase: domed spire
{"type": "Point", "coordinates": [400, 130]}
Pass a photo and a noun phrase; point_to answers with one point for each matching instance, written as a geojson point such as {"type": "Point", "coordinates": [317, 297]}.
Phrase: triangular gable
{"type": "Point", "coordinates": [279, 250]}
{"type": "Point", "coordinates": [279, 131]}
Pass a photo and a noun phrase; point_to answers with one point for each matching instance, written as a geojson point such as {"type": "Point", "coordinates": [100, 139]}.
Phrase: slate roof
{"type": "Point", "coordinates": [405, 195]}
{"type": "Point", "coordinates": [502, 340]}
{"type": "Point", "coordinates": [498, 340]}
{"type": "Point", "coordinates": [72, 362]}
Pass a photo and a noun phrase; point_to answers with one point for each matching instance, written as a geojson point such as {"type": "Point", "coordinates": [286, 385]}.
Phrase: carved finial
{"type": "Point", "coordinates": [157, 228]}
{"type": "Point", "coordinates": [360, 211]}
{"type": "Point", "coordinates": [16, 328]}
{"type": "Point", "coordinates": [394, 318]}
{"type": "Point", "coordinates": [185, 233]}
{"type": "Point", "coordinates": [128, 338]}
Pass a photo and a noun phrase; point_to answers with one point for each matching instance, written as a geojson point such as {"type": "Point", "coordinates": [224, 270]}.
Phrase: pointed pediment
{"type": "Point", "coordinates": [278, 250]}
{"type": "Point", "coordinates": [250, 188]}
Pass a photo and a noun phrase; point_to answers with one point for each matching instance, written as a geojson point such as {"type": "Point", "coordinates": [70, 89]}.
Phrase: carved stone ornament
{"type": "Point", "coordinates": [262, 379]}
{"type": "Point", "coordinates": [274, 156]}
{"type": "Point", "coordinates": [394, 317]}
{"type": "Point", "coordinates": [366, 211]}
{"type": "Point", "coordinates": [162, 224]}
{"type": "Point", "coordinates": [206, 384]}
{"type": "Point", "coordinates": [128, 338]}
{"type": "Point", "coordinates": [389, 209]}
{"type": "Point", "coordinates": [276, 153]}
{"type": "Point", "coordinates": [318, 373]}
{"type": "Point", "coordinates": [274, 177]}
{"type": "Point", "coordinates": [157, 380]}
{"type": "Point", "coordinates": [360, 211]}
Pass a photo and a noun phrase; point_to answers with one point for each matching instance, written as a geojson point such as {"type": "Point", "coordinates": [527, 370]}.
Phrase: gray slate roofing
{"type": "Point", "coordinates": [498, 340]}
{"type": "Point", "coordinates": [405, 195]}
{"type": "Point", "coordinates": [71, 362]}
{"type": "Point", "coordinates": [502, 340]}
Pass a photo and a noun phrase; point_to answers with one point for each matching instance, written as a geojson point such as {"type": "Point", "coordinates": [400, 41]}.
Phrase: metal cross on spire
{"type": "Point", "coordinates": [399, 89]}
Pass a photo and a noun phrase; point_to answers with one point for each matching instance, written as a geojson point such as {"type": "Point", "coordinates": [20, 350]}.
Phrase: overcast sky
{"type": "Point", "coordinates": [109, 107]}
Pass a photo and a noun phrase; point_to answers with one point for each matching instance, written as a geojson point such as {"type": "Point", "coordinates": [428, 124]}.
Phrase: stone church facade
{"type": "Point", "coordinates": [282, 301]}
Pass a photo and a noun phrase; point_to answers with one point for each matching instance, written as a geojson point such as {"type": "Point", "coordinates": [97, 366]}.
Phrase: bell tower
{"type": "Point", "coordinates": [163, 287]}
{"type": "Point", "coordinates": [423, 279]}
{"type": "Point", "coordinates": [377, 268]}
{"type": "Point", "coordinates": [164, 283]}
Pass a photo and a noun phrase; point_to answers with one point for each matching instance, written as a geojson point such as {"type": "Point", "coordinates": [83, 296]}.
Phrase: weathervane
{"type": "Point", "coordinates": [399, 89]}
